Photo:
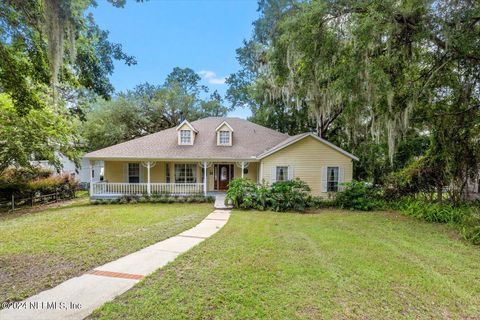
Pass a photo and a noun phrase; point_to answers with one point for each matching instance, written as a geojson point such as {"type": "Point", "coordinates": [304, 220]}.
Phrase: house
{"type": "Point", "coordinates": [205, 155]}
{"type": "Point", "coordinates": [81, 174]}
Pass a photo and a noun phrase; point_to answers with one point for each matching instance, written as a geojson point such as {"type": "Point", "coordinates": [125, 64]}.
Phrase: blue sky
{"type": "Point", "coordinates": [163, 34]}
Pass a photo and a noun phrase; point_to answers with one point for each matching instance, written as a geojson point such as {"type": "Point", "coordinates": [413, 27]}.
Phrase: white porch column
{"type": "Point", "coordinates": [205, 178]}
{"type": "Point", "coordinates": [149, 164]}
{"type": "Point", "coordinates": [90, 168]}
{"type": "Point", "coordinates": [243, 167]}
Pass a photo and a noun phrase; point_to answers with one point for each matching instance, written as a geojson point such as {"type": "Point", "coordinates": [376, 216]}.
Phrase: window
{"type": "Point", "coordinates": [185, 173]}
{"type": "Point", "coordinates": [185, 137]}
{"type": "Point", "coordinates": [282, 173]}
{"type": "Point", "coordinates": [167, 173]}
{"type": "Point", "coordinates": [332, 179]}
{"type": "Point", "coordinates": [133, 172]}
{"type": "Point", "coordinates": [224, 137]}
{"type": "Point", "coordinates": [245, 170]}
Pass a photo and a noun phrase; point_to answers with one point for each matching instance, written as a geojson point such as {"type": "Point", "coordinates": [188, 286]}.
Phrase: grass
{"type": "Point", "coordinates": [39, 250]}
{"type": "Point", "coordinates": [335, 264]}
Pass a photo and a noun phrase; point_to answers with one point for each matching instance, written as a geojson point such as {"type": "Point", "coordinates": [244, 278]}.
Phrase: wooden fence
{"type": "Point", "coordinates": [16, 203]}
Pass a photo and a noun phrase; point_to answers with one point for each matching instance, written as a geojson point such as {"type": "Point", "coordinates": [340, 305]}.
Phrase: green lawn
{"type": "Point", "coordinates": [334, 264]}
{"type": "Point", "coordinates": [40, 250]}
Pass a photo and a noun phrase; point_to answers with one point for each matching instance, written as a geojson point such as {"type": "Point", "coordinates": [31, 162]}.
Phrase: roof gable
{"type": "Point", "coordinates": [302, 136]}
{"type": "Point", "coordinates": [185, 122]}
{"type": "Point", "coordinates": [221, 125]}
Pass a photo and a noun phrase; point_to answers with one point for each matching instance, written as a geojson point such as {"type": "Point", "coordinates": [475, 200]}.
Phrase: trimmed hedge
{"type": "Point", "coordinates": [156, 199]}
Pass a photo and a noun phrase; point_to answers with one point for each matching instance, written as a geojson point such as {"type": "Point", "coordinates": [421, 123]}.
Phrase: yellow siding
{"type": "Point", "coordinates": [113, 171]}
{"type": "Point", "coordinates": [307, 157]}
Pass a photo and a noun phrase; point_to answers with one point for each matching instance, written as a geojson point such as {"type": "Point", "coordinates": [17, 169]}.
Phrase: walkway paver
{"type": "Point", "coordinates": [78, 297]}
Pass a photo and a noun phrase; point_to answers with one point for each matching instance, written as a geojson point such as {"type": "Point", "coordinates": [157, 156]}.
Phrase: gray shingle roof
{"type": "Point", "coordinates": [249, 141]}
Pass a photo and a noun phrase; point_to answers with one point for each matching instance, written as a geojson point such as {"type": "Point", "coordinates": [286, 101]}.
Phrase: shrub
{"type": "Point", "coordinates": [293, 195]}
{"type": "Point", "coordinates": [356, 196]}
{"type": "Point", "coordinates": [430, 212]}
{"type": "Point", "coordinates": [281, 196]}
{"type": "Point", "coordinates": [470, 225]}
{"type": "Point", "coordinates": [241, 193]}
{"type": "Point", "coordinates": [317, 202]}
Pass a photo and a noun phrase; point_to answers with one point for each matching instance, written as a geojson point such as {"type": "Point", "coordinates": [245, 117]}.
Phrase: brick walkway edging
{"type": "Point", "coordinates": [78, 297]}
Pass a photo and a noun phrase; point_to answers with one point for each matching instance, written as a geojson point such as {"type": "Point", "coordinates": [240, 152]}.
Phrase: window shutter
{"type": "Point", "coordinates": [341, 177]}
{"type": "Point", "coordinates": [273, 174]}
{"type": "Point", "coordinates": [324, 179]}
{"type": "Point", "coordinates": [290, 173]}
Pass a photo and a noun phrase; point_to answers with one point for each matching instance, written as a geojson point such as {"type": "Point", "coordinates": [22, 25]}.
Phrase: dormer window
{"type": "Point", "coordinates": [224, 138]}
{"type": "Point", "coordinates": [224, 134]}
{"type": "Point", "coordinates": [185, 137]}
{"type": "Point", "coordinates": [186, 133]}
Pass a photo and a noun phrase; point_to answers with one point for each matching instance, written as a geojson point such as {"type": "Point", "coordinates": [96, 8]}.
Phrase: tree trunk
{"type": "Point", "coordinates": [439, 193]}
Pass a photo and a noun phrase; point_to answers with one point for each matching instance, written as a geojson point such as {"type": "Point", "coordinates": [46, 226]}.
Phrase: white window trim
{"type": "Point", "coordinates": [180, 137]}
{"type": "Point", "coordinates": [194, 171]}
{"type": "Point", "coordinates": [340, 178]}
{"type": "Point", "coordinates": [229, 144]}
{"type": "Point", "coordinates": [273, 174]}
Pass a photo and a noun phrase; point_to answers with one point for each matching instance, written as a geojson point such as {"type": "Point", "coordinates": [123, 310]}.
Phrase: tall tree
{"type": "Point", "coordinates": [377, 72]}
{"type": "Point", "coordinates": [52, 57]}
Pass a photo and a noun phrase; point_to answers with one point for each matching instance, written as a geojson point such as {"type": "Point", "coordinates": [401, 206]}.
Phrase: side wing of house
{"type": "Point", "coordinates": [322, 167]}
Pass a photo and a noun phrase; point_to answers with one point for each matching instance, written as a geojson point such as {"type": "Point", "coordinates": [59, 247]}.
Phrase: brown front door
{"type": "Point", "coordinates": [224, 176]}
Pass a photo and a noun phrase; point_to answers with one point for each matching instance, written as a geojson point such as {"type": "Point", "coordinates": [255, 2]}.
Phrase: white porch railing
{"type": "Point", "coordinates": [108, 188]}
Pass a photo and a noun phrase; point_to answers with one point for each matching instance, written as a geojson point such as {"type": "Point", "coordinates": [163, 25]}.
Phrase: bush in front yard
{"type": "Point", "coordinates": [242, 193]}
{"type": "Point", "coordinates": [293, 195]}
{"type": "Point", "coordinates": [356, 195]}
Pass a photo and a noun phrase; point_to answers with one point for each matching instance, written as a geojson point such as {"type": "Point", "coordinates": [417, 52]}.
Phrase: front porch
{"type": "Point", "coordinates": [168, 178]}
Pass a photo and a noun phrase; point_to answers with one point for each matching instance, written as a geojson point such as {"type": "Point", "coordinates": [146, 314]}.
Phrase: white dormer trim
{"type": "Point", "coordinates": [230, 137]}
{"type": "Point", "coordinates": [192, 137]}
{"type": "Point", "coordinates": [224, 123]}
{"type": "Point", "coordinates": [188, 124]}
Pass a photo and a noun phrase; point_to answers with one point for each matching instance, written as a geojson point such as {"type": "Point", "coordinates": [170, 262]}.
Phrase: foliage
{"type": "Point", "coordinates": [53, 43]}
{"type": "Point", "coordinates": [469, 225]}
{"type": "Point", "coordinates": [391, 81]}
{"type": "Point", "coordinates": [293, 195]}
{"type": "Point", "coordinates": [37, 133]}
{"type": "Point", "coordinates": [156, 199]}
{"type": "Point", "coordinates": [24, 182]}
{"type": "Point", "coordinates": [53, 58]}
{"type": "Point", "coordinates": [356, 195]}
{"type": "Point", "coordinates": [465, 218]}
{"type": "Point", "coordinates": [430, 212]}
{"type": "Point", "coordinates": [418, 178]}
{"type": "Point", "coordinates": [149, 108]}
{"type": "Point", "coordinates": [242, 193]}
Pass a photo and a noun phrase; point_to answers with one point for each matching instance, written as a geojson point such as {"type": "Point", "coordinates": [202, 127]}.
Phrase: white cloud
{"type": "Point", "coordinates": [211, 77]}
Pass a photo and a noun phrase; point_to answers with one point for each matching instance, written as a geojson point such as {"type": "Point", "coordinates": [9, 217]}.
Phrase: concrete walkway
{"type": "Point", "coordinates": [220, 201]}
{"type": "Point", "coordinates": [78, 297]}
